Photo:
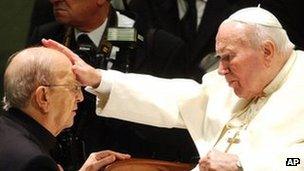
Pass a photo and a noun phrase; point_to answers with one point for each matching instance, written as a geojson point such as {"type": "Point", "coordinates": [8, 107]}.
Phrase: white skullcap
{"type": "Point", "coordinates": [256, 15]}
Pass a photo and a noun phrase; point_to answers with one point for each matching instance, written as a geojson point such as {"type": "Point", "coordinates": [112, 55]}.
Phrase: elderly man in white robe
{"type": "Point", "coordinates": [249, 114]}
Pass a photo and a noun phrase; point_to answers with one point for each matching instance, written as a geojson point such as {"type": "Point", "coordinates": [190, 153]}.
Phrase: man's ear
{"type": "Point", "coordinates": [268, 52]}
{"type": "Point", "coordinates": [41, 98]}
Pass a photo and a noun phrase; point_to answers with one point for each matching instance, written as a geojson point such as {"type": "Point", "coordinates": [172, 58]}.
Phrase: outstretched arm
{"type": "Point", "coordinates": [150, 100]}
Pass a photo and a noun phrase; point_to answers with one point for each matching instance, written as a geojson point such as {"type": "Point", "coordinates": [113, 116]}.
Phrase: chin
{"type": "Point", "coordinates": [240, 94]}
{"type": "Point", "coordinates": [69, 123]}
{"type": "Point", "coordinates": [237, 91]}
{"type": "Point", "coordinates": [244, 96]}
{"type": "Point", "coordinates": [63, 19]}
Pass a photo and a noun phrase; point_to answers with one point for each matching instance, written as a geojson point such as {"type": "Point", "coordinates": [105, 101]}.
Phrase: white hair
{"type": "Point", "coordinates": [22, 79]}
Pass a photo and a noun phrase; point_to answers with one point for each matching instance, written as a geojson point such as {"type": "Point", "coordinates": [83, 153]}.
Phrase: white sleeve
{"type": "Point", "coordinates": [106, 84]}
{"type": "Point", "coordinates": [143, 98]}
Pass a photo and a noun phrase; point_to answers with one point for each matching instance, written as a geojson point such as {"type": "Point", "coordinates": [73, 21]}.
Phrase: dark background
{"type": "Point", "coordinates": [14, 18]}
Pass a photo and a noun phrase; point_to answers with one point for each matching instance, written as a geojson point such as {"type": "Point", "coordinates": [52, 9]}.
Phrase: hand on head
{"type": "Point", "coordinates": [99, 160]}
{"type": "Point", "coordinates": [85, 74]}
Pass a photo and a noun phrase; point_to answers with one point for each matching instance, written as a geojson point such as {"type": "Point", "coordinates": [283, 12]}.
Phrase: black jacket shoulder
{"type": "Point", "coordinates": [19, 150]}
{"type": "Point", "coordinates": [52, 30]}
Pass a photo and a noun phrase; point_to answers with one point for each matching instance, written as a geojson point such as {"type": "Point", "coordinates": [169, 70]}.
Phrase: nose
{"type": "Point", "coordinates": [223, 68]}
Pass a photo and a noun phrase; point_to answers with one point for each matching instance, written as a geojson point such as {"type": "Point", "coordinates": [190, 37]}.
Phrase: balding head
{"type": "Point", "coordinates": [28, 69]}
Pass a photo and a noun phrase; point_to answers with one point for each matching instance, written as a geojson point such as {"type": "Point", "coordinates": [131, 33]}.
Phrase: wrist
{"type": "Point", "coordinates": [97, 80]}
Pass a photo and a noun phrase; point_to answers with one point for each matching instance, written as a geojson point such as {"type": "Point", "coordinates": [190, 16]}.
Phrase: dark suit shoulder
{"type": "Point", "coordinates": [52, 30]}
{"type": "Point", "coordinates": [166, 55]}
{"type": "Point", "coordinates": [18, 148]}
{"type": "Point", "coordinates": [40, 162]}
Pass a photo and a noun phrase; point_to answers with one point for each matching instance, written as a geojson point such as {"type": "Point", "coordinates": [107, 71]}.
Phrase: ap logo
{"type": "Point", "coordinates": [292, 161]}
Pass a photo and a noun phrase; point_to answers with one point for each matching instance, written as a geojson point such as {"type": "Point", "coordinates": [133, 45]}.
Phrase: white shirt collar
{"type": "Point", "coordinates": [182, 7]}
{"type": "Point", "coordinates": [94, 35]}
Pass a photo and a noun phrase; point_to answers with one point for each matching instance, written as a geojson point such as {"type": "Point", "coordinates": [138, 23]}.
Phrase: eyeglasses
{"type": "Point", "coordinates": [74, 87]}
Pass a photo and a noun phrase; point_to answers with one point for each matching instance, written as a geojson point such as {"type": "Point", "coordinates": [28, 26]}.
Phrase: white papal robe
{"type": "Point", "coordinates": [275, 133]}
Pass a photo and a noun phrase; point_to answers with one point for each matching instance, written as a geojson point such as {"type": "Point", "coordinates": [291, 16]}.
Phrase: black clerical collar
{"type": "Point", "coordinates": [44, 138]}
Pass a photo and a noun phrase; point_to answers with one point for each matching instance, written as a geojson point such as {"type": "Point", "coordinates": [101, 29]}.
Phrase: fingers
{"type": "Point", "coordinates": [85, 74]}
{"type": "Point", "coordinates": [216, 160]}
{"type": "Point", "coordinates": [204, 163]}
{"type": "Point", "coordinates": [60, 168]}
{"type": "Point", "coordinates": [57, 46]}
{"type": "Point", "coordinates": [104, 161]}
{"type": "Point", "coordinates": [118, 155]}
{"type": "Point", "coordinates": [101, 159]}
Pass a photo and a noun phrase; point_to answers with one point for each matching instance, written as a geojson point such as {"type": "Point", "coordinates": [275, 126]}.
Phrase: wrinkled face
{"type": "Point", "coordinates": [242, 64]}
{"type": "Point", "coordinates": [65, 94]}
{"type": "Point", "coordinates": [74, 12]}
